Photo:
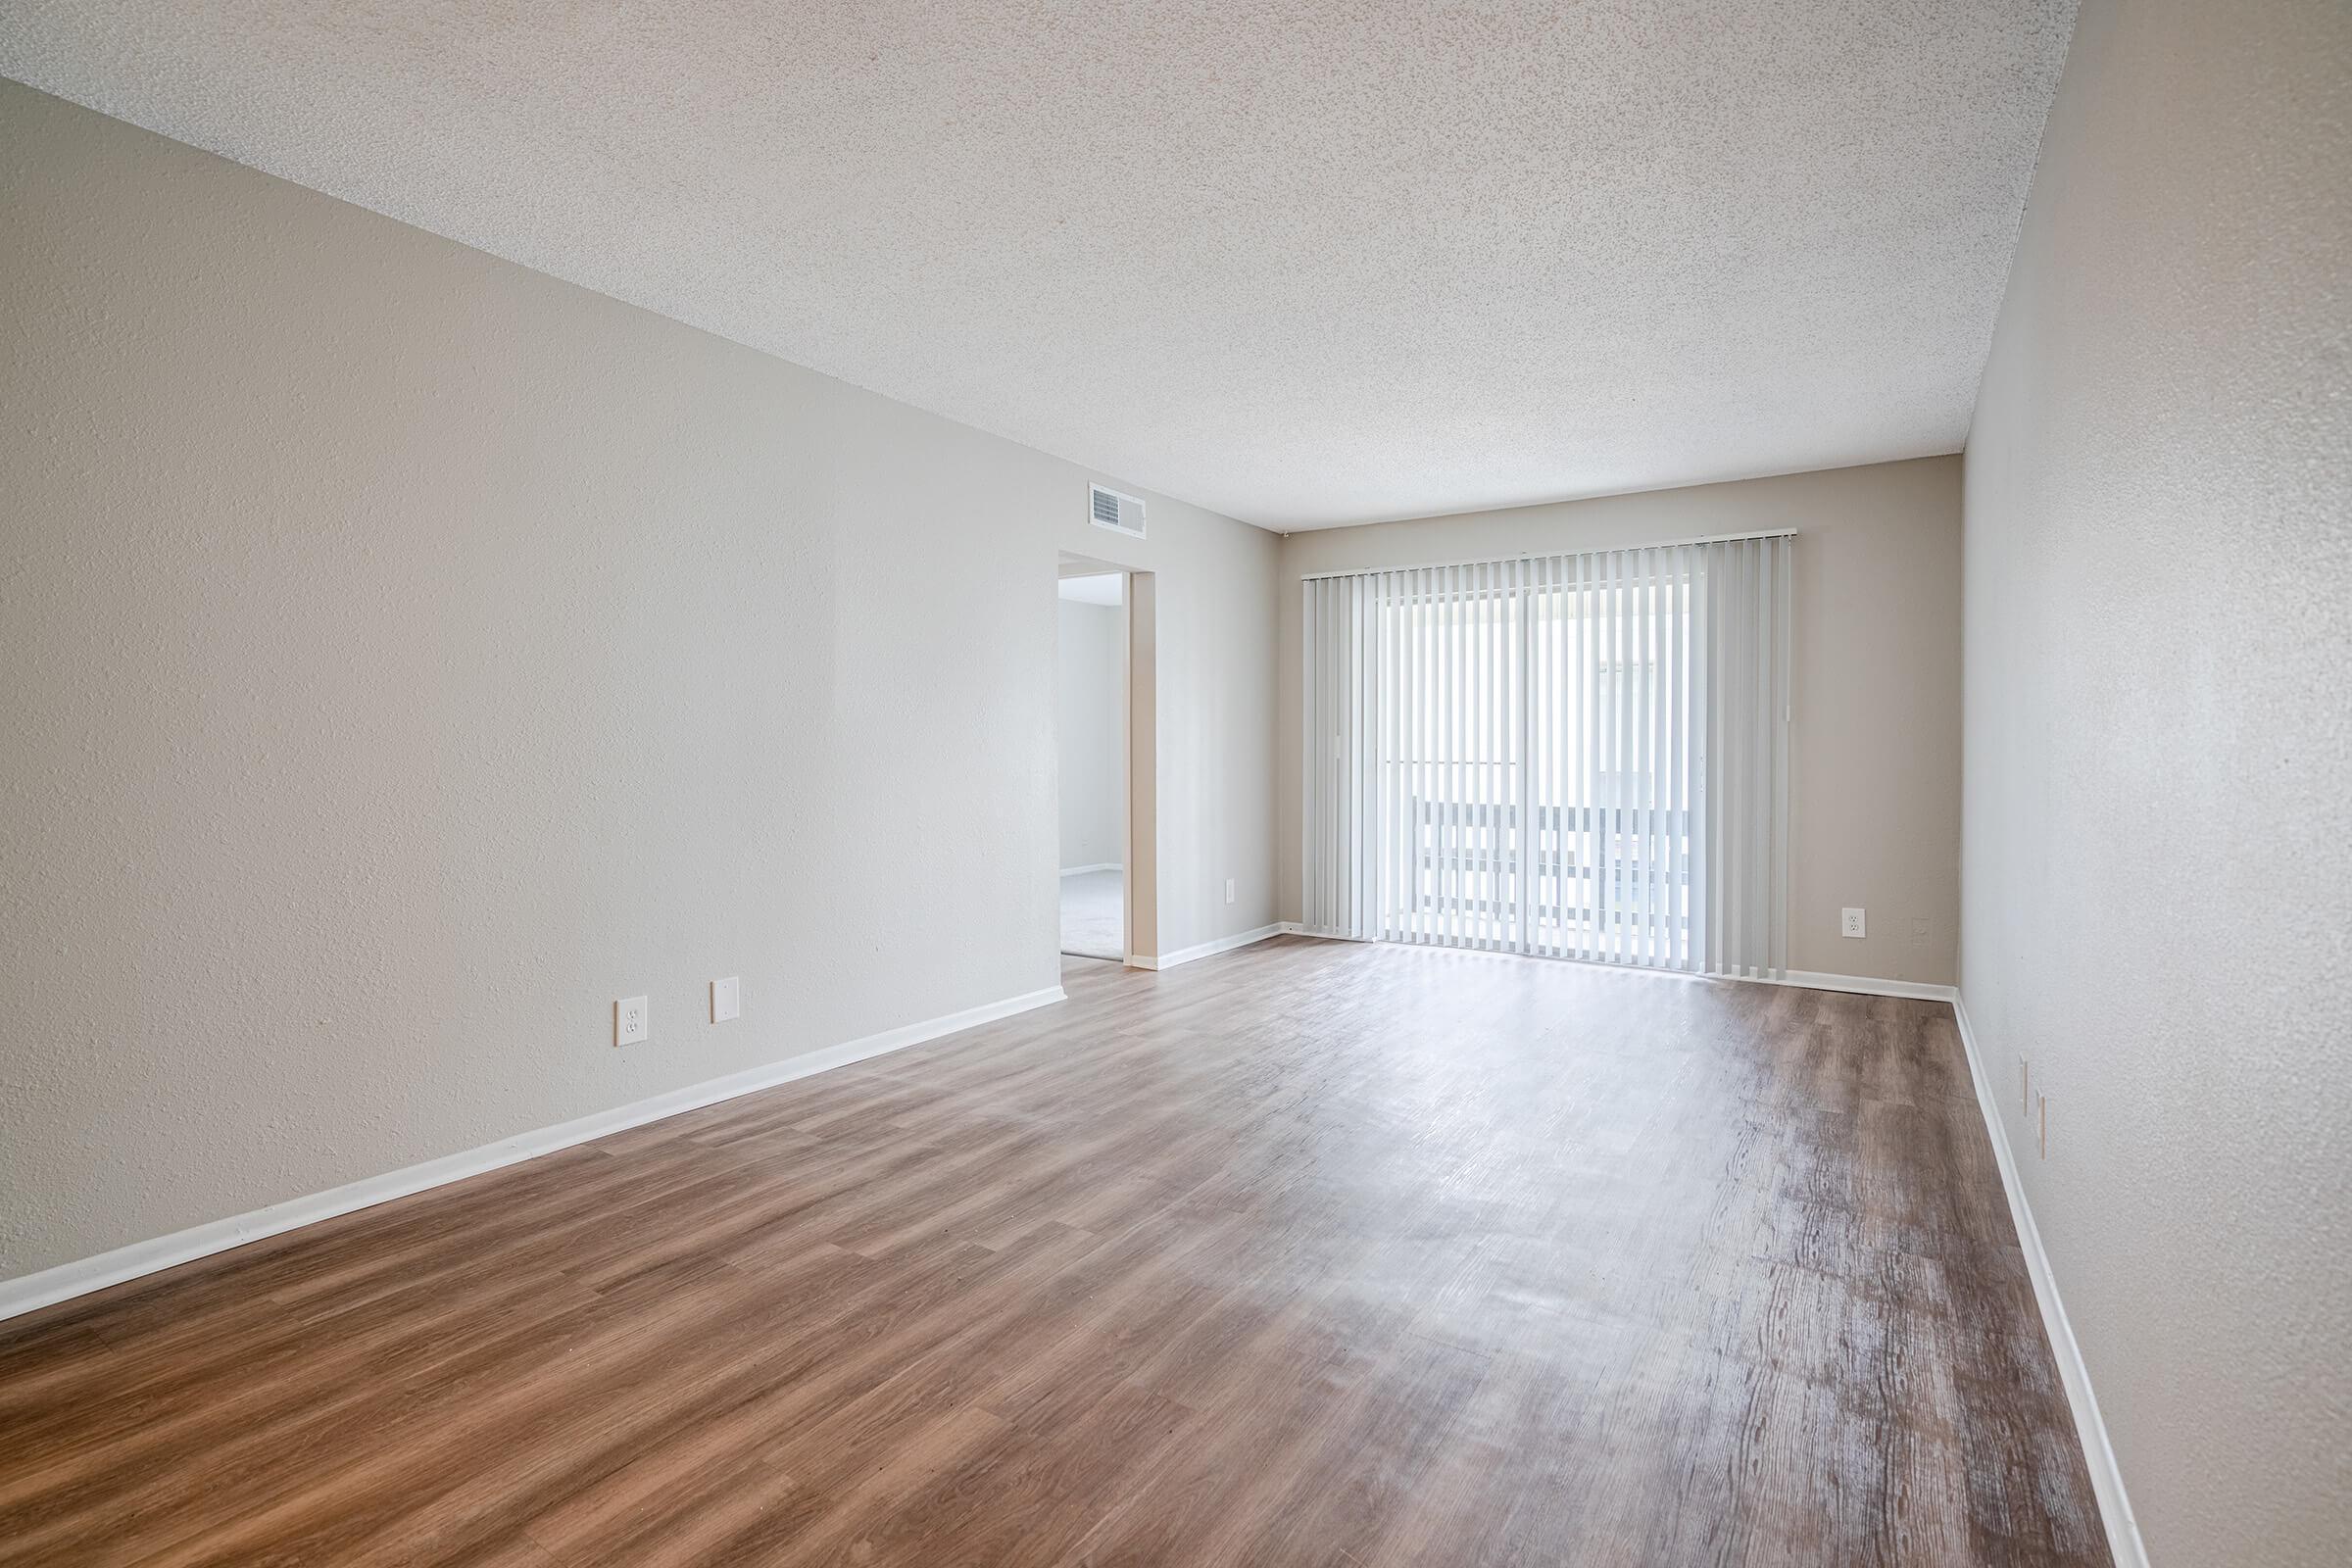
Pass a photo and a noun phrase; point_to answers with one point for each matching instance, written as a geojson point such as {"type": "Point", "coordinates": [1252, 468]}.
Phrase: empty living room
{"type": "Point", "coordinates": [941, 783]}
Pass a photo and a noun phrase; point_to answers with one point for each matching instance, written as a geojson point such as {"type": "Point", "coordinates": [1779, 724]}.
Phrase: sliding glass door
{"type": "Point", "coordinates": [1571, 756]}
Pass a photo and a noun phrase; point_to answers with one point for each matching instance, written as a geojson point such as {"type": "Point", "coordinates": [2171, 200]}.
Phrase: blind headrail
{"type": "Point", "coordinates": [1549, 555]}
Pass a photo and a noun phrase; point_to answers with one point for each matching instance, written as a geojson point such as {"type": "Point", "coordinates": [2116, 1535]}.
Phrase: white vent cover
{"type": "Point", "coordinates": [1115, 511]}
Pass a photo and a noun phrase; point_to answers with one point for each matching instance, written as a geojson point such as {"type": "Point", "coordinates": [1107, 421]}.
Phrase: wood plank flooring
{"type": "Point", "coordinates": [1314, 1253]}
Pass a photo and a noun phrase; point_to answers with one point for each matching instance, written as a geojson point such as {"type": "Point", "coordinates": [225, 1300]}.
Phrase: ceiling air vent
{"type": "Point", "coordinates": [1115, 511]}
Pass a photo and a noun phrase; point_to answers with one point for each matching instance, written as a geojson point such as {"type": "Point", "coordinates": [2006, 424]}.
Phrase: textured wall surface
{"type": "Point", "coordinates": [1305, 264]}
{"type": "Point", "coordinates": [2159, 737]}
{"type": "Point", "coordinates": [1090, 678]}
{"type": "Point", "coordinates": [408, 654]}
{"type": "Point", "coordinates": [1874, 772]}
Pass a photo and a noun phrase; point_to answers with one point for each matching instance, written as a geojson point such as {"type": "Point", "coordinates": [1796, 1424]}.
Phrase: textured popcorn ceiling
{"type": "Point", "coordinates": [1305, 264]}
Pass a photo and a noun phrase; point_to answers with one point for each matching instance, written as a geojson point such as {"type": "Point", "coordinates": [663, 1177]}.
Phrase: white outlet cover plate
{"type": "Point", "coordinates": [726, 1000]}
{"type": "Point", "coordinates": [631, 1021]}
{"type": "Point", "coordinates": [1850, 922]}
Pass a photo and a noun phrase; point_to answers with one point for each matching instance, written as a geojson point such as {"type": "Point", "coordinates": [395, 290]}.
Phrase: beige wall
{"type": "Point", "coordinates": [1090, 733]}
{"type": "Point", "coordinates": [407, 655]}
{"type": "Point", "coordinates": [2159, 779]}
{"type": "Point", "coordinates": [1874, 760]}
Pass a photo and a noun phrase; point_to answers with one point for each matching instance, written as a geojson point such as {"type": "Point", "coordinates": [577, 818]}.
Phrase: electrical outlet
{"type": "Point", "coordinates": [2041, 1126]}
{"type": "Point", "coordinates": [2024, 1087]}
{"type": "Point", "coordinates": [1229, 889]}
{"type": "Point", "coordinates": [1850, 923]}
{"type": "Point", "coordinates": [726, 1000]}
{"type": "Point", "coordinates": [1918, 933]}
{"type": "Point", "coordinates": [629, 1026]}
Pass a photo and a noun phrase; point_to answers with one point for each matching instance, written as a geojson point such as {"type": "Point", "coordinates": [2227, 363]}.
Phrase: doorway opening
{"type": "Point", "coordinates": [1091, 677]}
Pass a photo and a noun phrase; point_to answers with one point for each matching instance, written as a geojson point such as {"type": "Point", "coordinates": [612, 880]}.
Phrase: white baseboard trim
{"type": "Point", "coordinates": [1098, 866]}
{"type": "Point", "coordinates": [1206, 949]}
{"type": "Point", "coordinates": [1811, 980]}
{"type": "Point", "coordinates": [2106, 1477]}
{"type": "Point", "coordinates": [30, 1292]}
{"type": "Point", "coordinates": [1866, 985]}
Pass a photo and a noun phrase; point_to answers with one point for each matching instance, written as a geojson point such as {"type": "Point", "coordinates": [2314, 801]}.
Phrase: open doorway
{"type": "Point", "coordinates": [1091, 680]}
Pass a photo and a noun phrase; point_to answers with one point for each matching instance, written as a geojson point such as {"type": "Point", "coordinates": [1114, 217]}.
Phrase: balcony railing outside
{"type": "Point", "coordinates": [1581, 883]}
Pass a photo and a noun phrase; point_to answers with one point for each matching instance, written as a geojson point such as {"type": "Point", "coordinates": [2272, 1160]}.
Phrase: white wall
{"type": "Point", "coordinates": [1874, 751]}
{"type": "Point", "coordinates": [1089, 685]}
{"type": "Point", "coordinates": [407, 655]}
{"type": "Point", "coordinates": [2158, 884]}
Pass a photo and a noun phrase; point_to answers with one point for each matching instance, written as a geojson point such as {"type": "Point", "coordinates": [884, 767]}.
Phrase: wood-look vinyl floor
{"type": "Point", "coordinates": [1314, 1253]}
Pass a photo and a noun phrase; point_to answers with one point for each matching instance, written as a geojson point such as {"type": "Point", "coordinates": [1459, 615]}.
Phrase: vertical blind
{"type": "Point", "coordinates": [1579, 756]}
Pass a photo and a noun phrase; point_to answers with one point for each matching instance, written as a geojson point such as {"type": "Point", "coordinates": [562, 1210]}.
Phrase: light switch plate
{"type": "Point", "coordinates": [726, 1000]}
{"type": "Point", "coordinates": [630, 1021]}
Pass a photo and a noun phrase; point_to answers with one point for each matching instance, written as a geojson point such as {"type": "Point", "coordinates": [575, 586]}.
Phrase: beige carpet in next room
{"type": "Point", "coordinates": [1093, 906]}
